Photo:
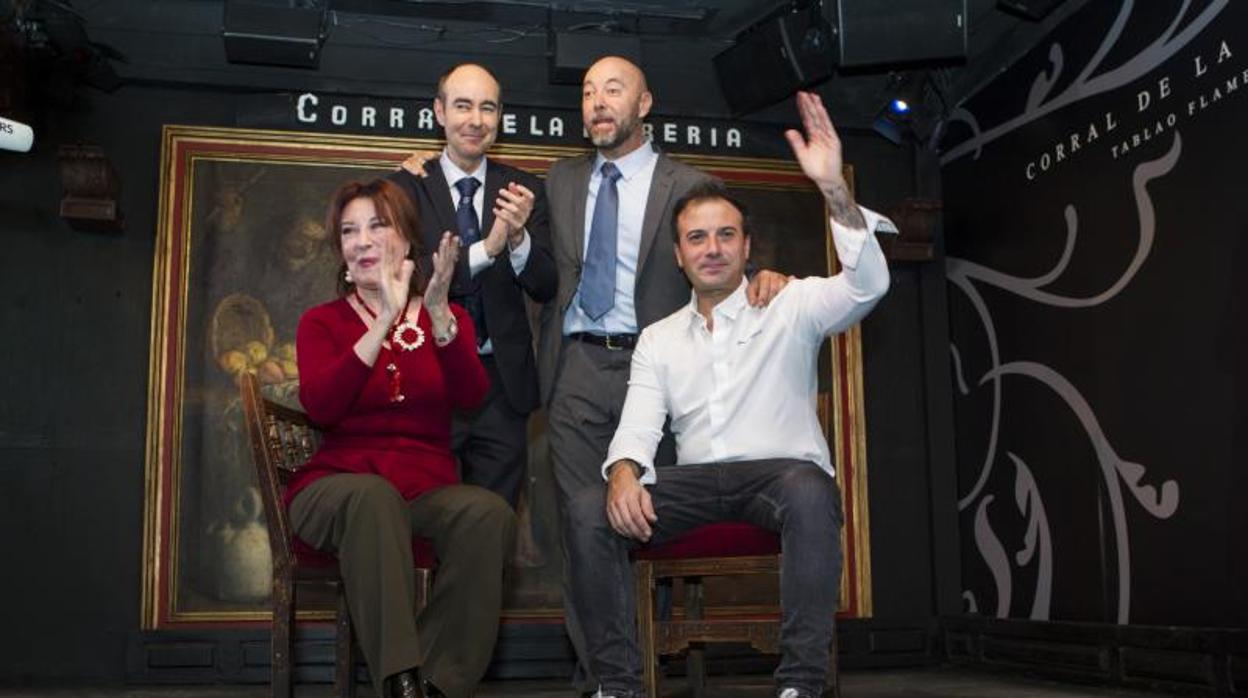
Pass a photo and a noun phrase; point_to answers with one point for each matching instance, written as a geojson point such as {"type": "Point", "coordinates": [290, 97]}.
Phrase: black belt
{"type": "Point", "coordinates": [615, 342]}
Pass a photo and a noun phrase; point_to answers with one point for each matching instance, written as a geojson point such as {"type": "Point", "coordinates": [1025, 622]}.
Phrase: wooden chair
{"type": "Point", "coordinates": [729, 548]}
{"type": "Point", "coordinates": [282, 440]}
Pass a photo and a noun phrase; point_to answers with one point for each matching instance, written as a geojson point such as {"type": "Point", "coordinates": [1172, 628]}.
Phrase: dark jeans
{"type": "Point", "coordinates": [794, 498]}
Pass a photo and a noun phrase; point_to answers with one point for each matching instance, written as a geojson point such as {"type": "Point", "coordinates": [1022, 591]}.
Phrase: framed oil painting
{"type": "Point", "coordinates": [242, 250]}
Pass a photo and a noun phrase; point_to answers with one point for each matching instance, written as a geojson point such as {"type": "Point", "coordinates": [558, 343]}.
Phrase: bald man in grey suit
{"type": "Point", "coordinates": [584, 362]}
{"type": "Point", "coordinates": [610, 220]}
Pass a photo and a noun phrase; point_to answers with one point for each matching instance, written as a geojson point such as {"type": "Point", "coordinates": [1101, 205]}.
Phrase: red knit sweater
{"type": "Point", "coordinates": [407, 442]}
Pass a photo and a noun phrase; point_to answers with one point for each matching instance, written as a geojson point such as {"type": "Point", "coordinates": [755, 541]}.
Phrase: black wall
{"type": "Point", "coordinates": [1121, 419]}
{"type": "Point", "coordinates": [75, 328]}
{"type": "Point", "coordinates": [74, 336]}
{"type": "Point", "coordinates": [1095, 228]}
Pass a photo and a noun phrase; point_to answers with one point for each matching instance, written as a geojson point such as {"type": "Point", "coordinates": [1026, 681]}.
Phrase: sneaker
{"type": "Point", "coordinates": [792, 692]}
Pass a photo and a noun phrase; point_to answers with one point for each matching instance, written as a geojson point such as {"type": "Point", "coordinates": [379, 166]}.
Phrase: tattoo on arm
{"type": "Point", "coordinates": [844, 210]}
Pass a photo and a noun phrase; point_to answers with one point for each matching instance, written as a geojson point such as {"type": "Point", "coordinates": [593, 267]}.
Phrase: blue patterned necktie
{"type": "Point", "coordinates": [598, 274]}
{"type": "Point", "coordinates": [470, 232]}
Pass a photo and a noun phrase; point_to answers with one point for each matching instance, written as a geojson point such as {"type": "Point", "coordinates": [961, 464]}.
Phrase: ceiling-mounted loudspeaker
{"type": "Point", "coordinates": [772, 60]}
{"type": "Point", "coordinates": [1031, 9]}
{"type": "Point", "coordinates": [267, 34]}
{"type": "Point", "coordinates": [874, 33]}
{"type": "Point", "coordinates": [571, 53]}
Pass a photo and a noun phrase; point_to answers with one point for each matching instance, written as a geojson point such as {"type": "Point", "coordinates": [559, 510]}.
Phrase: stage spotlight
{"type": "Point", "coordinates": [903, 96]}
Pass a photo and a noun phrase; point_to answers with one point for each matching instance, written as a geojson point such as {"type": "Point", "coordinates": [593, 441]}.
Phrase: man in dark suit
{"type": "Point", "coordinates": [611, 213]}
{"type": "Point", "coordinates": [500, 214]}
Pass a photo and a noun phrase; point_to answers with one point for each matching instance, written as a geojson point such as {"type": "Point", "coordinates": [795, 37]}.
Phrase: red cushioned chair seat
{"type": "Point", "coordinates": [724, 539]}
{"type": "Point", "coordinates": [422, 554]}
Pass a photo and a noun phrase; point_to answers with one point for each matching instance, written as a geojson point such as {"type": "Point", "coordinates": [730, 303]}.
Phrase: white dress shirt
{"type": "Point", "coordinates": [478, 260]}
{"type": "Point", "coordinates": [747, 389]}
{"type": "Point", "coordinates": [633, 187]}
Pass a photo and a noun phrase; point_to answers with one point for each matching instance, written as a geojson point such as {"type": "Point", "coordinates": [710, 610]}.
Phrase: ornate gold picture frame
{"type": "Point", "coordinates": [241, 251]}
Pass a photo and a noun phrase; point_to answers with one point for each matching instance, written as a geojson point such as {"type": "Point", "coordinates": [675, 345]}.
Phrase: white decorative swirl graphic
{"type": "Point", "coordinates": [1045, 82]}
{"type": "Point", "coordinates": [1030, 288]}
{"type": "Point", "coordinates": [993, 552]}
{"type": "Point", "coordinates": [1037, 543]}
{"type": "Point", "coordinates": [1084, 85]}
{"type": "Point", "coordinates": [1119, 476]}
{"type": "Point", "coordinates": [966, 276]}
{"type": "Point", "coordinates": [957, 370]}
{"type": "Point", "coordinates": [963, 273]}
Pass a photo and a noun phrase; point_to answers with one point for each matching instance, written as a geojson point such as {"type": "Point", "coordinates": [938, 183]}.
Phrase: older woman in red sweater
{"type": "Point", "coordinates": [381, 370]}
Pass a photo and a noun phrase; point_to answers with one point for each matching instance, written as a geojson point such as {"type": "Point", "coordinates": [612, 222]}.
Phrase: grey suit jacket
{"type": "Point", "coordinates": [661, 287]}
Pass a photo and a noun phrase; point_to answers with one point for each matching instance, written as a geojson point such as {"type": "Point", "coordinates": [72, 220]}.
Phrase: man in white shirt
{"type": "Point", "coordinates": [739, 384]}
{"type": "Point", "coordinates": [610, 218]}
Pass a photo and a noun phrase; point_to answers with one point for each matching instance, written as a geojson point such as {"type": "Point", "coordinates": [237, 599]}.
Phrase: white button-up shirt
{"type": "Point", "coordinates": [478, 260]}
{"type": "Point", "coordinates": [747, 389]}
{"type": "Point", "coordinates": [633, 187]}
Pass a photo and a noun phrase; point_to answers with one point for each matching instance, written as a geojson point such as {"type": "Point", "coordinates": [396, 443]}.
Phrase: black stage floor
{"type": "Point", "coordinates": [903, 683]}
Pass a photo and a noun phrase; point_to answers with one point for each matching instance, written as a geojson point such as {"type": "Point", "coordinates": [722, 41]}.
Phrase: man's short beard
{"type": "Point", "coordinates": [624, 130]}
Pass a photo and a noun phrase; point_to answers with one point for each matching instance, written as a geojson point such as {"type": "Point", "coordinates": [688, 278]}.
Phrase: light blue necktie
{"type": "Point", "coordinates": [598, 274]}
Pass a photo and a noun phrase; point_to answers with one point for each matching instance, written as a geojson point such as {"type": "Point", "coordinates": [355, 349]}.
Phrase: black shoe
{"type": "Point", "coordinates": [405, 684]}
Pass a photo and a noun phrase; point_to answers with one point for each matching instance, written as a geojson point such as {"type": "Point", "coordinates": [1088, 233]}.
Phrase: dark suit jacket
{"type": "Point", "coordinates": [661, 287]}
{"type": "Point", "coordinates": [501, 288]}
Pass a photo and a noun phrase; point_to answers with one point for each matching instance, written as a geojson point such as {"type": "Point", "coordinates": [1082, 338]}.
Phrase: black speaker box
{"type": "Point", "coordinates": [1031, 9]}
{"type": "Point", "coordinates": [571, 53]}
{"type": "Point", "coordinates": [773, 59]}
{"type": "Point", "coordinates": [875, 33]}
{"type": "Point", "coordinates": [273, 35]}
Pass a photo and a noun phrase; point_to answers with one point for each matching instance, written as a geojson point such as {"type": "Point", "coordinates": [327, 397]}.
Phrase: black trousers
{"type": "Point", "coordinates": [491, 442]}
